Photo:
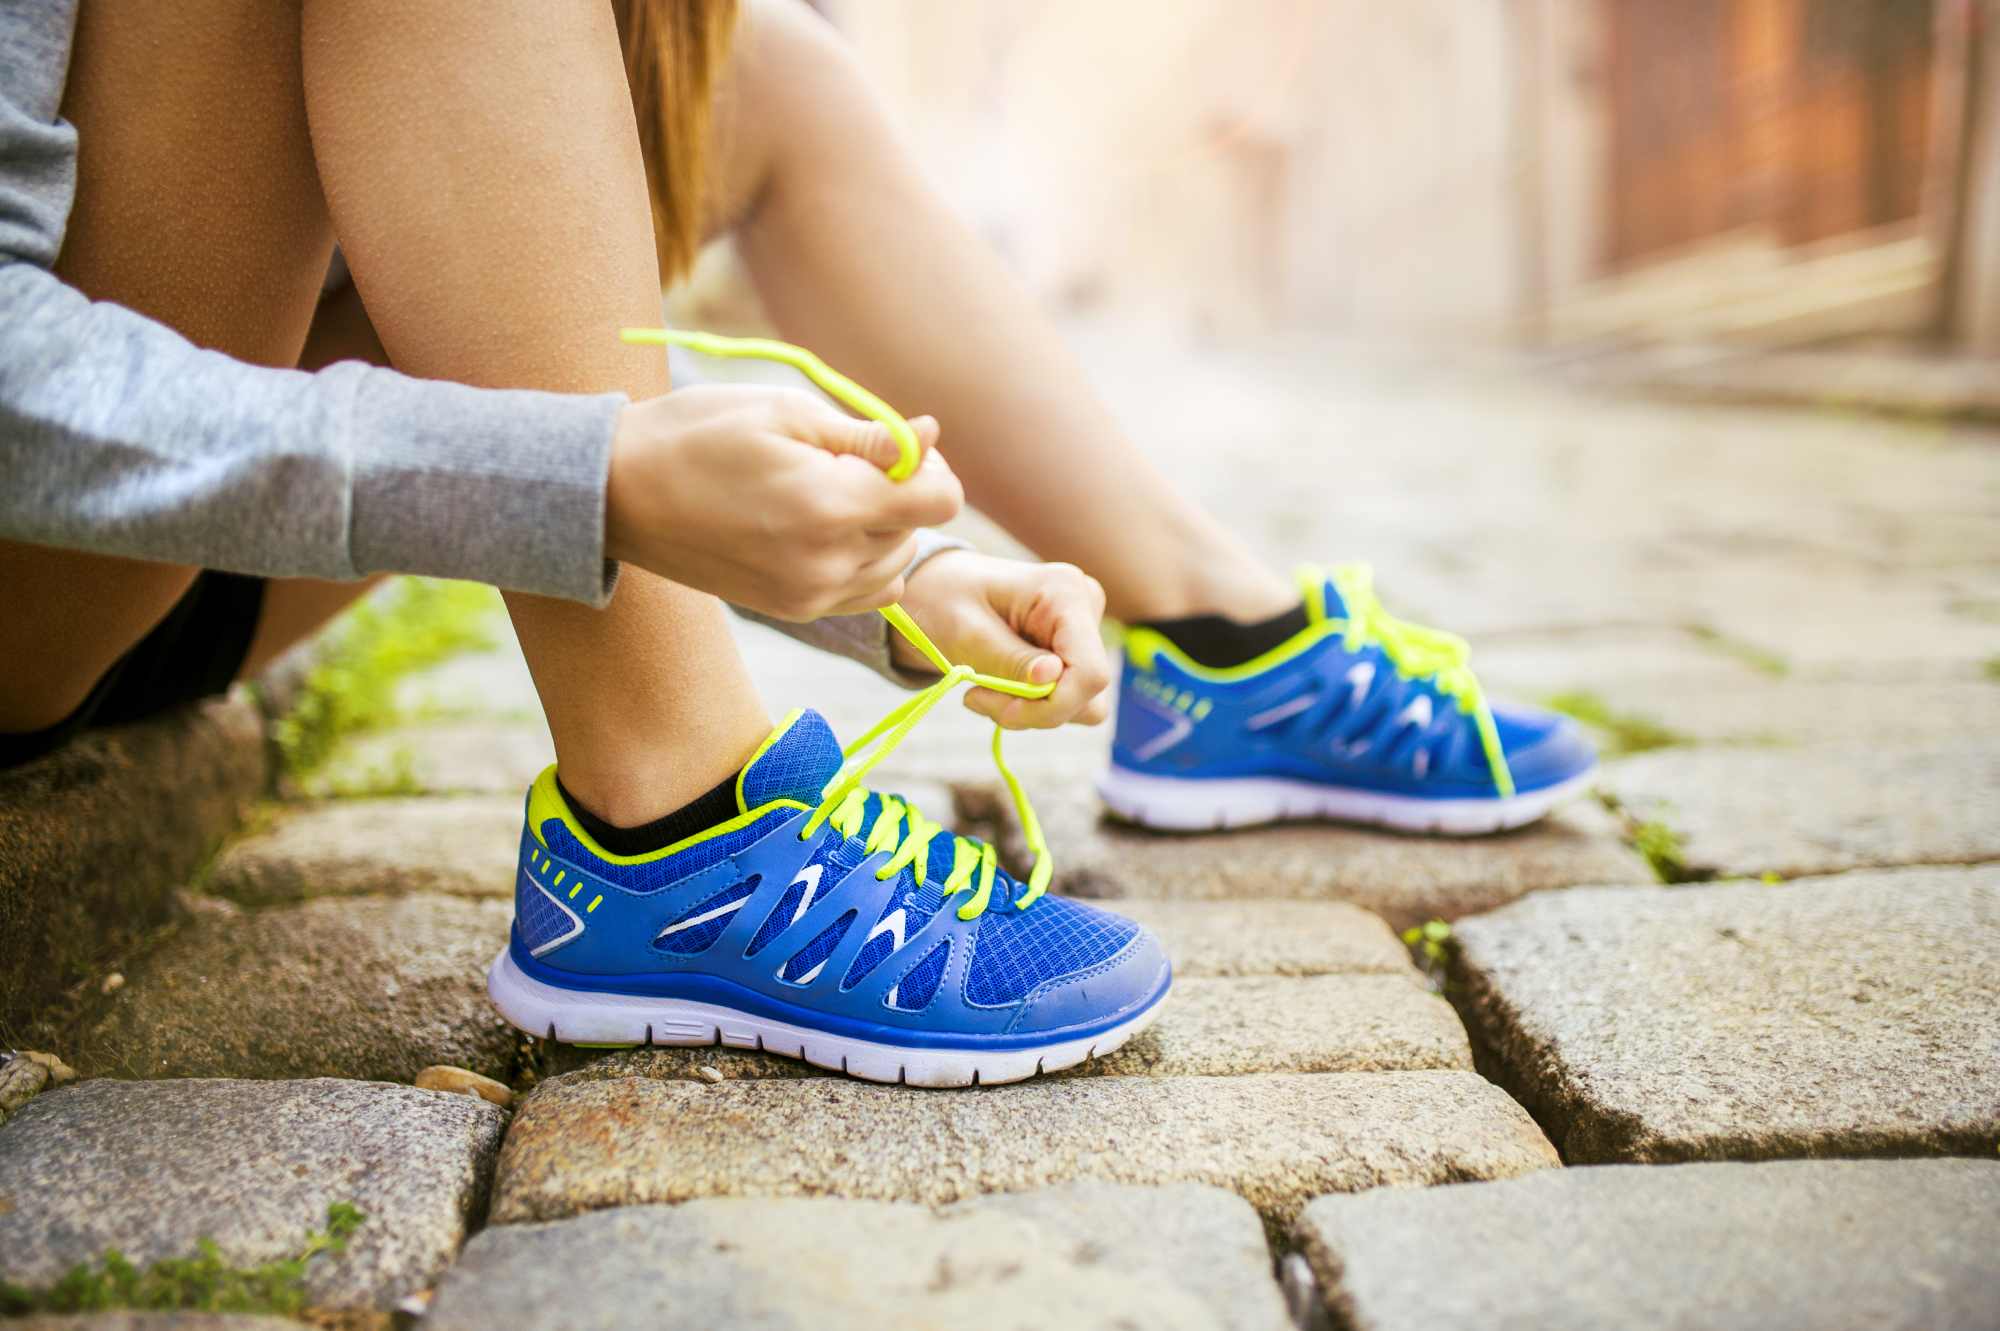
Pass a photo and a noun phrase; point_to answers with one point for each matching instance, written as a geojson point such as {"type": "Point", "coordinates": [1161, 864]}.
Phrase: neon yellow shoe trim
{"type": "Point", "coordinates": [1417, 651]}
{"type": "Point", "coordinates": [844, 796]}
{"type": "Point", "coordinates": [546, 802]}
{"type": "Point", "coordinates": [1143, 645]}
{"type": "Point", "coordinates": [835, 384]}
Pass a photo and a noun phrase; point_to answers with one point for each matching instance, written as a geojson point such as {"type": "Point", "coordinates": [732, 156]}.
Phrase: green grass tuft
{"type": "Point", "coordinates": [1662, 848]}
{"type": "Point", "coordinates": [202, 1283]}
{"type": "Point", "coordinates": [1992, 668]}
{"type": "Point", "coordinates": [1429, 945]}
{"type": "Point", "coordinates": [416, 623]}
{"type": "Point", "coordinates": [1749, 653]}
{"type": "Point", "coordinates": [1624, 732]}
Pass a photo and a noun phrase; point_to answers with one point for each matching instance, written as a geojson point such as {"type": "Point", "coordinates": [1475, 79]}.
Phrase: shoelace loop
{"type": "Point", "coordinates": [1416, 650]}
{"type": "Point", "coordinates": [898, 827]}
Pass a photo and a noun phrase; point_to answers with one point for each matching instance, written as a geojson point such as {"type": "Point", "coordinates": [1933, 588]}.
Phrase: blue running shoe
{"type": "Point", "coordinates": [1360, 717]}
{"type": "Point", "coordinates": [823, 922]}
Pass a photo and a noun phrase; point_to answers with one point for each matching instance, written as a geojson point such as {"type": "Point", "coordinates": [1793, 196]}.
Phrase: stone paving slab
{"type": "Point", "coordinates": [370, 987]}
{"type": "Point", "coordinates": [1526, 667]}
{"type": "Point", "coordinates": [579, 1145]}
{"type": "Point", "coordinates": [1704, 694]}
{"type": "Point", "coordinates": [150, 1167]}
{"type": "Point", "coordinates": [1796, 811]}
{"type": "Point", "coordinates": [492, 683]}
{"type": "Point", "coordinates": [462, 845]}
{"type": "Point", "coordinates": [95, 839]}
{"type": "Point", "coordinates": [1873, 1245]}
{"type": "Point", "coordinates": [1085, 1256]}
{"type": "Point", "coordinates": [1794, 711]}
{"type": "Point", "coordinates": [1266, 937]}
{"type": "Point", "coordinates": [1404, 879]}
{"type": "Point", "coordinates": [450, 757]}
{"type": "Point", "coordinates": [1322, 1023]}
{"type": "Point", "coordinates": [1211, 1027]}
{"type": "Point", "coordinates": [1849, 1015]}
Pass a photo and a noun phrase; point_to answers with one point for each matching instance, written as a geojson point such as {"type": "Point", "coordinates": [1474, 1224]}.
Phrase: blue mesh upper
{"type": "Point", "coordinates": [837, 858]}
{"type": "Point", "coordinates": [1015, 951]}
{"type": "Point", "coordinates": [796, 766]}
{"type": "Point", "coordinates": [813, 953]}
{"type": "Point", "coordinates": [918, 905]}
{"type": "Point", "coordinates": [539, 919]}
{"type": "Point", "coordinates": [696, 938]}
{"type": "Point", "coordinates": [915, 991]}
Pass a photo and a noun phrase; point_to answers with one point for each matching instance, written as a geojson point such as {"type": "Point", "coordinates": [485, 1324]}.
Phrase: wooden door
{"type": "Point", "coordinates": [1802, 120]}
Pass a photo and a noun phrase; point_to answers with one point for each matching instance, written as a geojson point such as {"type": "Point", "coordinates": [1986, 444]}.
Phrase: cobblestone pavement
{"type": "Point", "coordinates": [1772, 936]}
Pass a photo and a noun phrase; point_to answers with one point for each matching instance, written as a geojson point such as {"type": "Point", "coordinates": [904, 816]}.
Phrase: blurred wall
{"type": "Point", "coordinates": [1215, 167]}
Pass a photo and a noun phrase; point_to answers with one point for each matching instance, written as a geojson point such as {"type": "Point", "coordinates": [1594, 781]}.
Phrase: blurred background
{"type": "Point", "coordinates": [1652, 188]}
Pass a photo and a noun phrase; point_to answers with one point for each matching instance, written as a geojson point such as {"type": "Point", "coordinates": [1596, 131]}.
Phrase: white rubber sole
{"type": "Point", "coordinates": [1199, 805]}
{"type": "Point", "coordinates": [576, 1017]}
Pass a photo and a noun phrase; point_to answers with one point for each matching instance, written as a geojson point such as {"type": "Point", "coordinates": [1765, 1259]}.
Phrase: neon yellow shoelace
{"type": "Point", "coordinates": [1417, 652]}
{"type": "Point", "coordinates": [898, 827]}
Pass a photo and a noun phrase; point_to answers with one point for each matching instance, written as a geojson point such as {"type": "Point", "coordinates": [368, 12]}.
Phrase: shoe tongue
{"type": "Point", "coordinates": [794, 763]}
{"type": "Point", "coordinates": [1334, 605]}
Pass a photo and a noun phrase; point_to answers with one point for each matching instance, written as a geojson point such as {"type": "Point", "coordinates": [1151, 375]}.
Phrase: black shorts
{"type": "Point", "coordinates": [193, 653]}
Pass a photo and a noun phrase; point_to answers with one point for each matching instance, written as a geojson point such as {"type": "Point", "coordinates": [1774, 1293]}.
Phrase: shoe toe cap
{"type": "Point", "coordinates": [1544, 748]}
{"type": "Point", "coordinates": [1115, 989]}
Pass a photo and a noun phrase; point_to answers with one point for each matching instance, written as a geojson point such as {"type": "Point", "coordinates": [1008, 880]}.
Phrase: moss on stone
{"type": "Point", "coordinates": [416, 622]}
{"type": "Point", "coordinates": [1760, 659]}
{"type": "Point", "coordinates": [1623, 732]}
{"type": "Point", "coordinates": [202, 1283]}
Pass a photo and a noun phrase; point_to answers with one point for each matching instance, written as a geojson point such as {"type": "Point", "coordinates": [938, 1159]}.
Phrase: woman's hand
{"type": "Point", "coordinates": [1031, 622]}
{"type": "Point", "coordinates": [771, 499]}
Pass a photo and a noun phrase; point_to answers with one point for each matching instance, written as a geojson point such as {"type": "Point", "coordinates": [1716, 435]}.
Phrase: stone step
{"type": "Point", "coordinates": [1325, 1023]}
{"type": "Point", "coordinates": [463, 845]}
{"type": "Point", "coordinates": [1404, 879]}
{"type": "Point", "coordinates": [1211, 1027]}
{"type": "Point", "coordinates": [1887, 1245]}
{"type": "Point", "coordinates": [98, 836]}
{"type": "Point", "coordinates": [1090, 1255]}
{"type": "Point", "coordinates": [579, 1144]}
{"type": "Point", "coordinates": [149, 1168]}
{"type": "Point", "coordinates": [368, 987]}
{"type": "Point", "coordinates": [1817, 809]}
{"type": "Point", "coordinates": [492, 683]}
{"type": "Point", "coordinates": [1255, 936]}
{"type": "Point", "coordinates": [1851, 1015]}
{"type": "Point", "coordinates": [463, 756]}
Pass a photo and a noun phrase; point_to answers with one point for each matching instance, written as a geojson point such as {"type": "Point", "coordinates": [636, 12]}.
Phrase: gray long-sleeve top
{"type": "Point", "coordinates": [119, 436]}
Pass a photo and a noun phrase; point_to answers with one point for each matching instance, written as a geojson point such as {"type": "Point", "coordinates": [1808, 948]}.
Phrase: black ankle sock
{"type": "Point", "coordinates": [698, 815]}
{"type": "Point", "coordinates": [1219, 642]}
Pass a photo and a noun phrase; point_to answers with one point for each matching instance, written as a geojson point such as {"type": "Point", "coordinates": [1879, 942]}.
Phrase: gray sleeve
{"type": "Point", "coordinates": [865, 637]}
{"type": "Point", "coordinates": [119, 436]}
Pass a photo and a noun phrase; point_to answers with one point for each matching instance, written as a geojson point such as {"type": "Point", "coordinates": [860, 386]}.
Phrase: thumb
{"type": "Point", "coordinates": [992, 647]}
{"type": "Point", "coordinates": [870, 440]}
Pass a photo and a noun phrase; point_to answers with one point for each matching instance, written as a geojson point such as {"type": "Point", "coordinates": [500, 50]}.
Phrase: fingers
{"type": "Point", "coordinates": [876, 583]}
{"type": "Point", "coordinates": [1065, 613]}
{"type": "Point", "coordinates": [813, 421]}
{"type": "Point", "coordinates": [930, 498]}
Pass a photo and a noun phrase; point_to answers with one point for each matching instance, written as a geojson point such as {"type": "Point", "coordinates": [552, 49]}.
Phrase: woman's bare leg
{"type": "Point", "coordinates": [856, 256]}
{"type": "Point", "coordinates": [483, 172]}
{"type": "Point", "coordinates": [197, 205]}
